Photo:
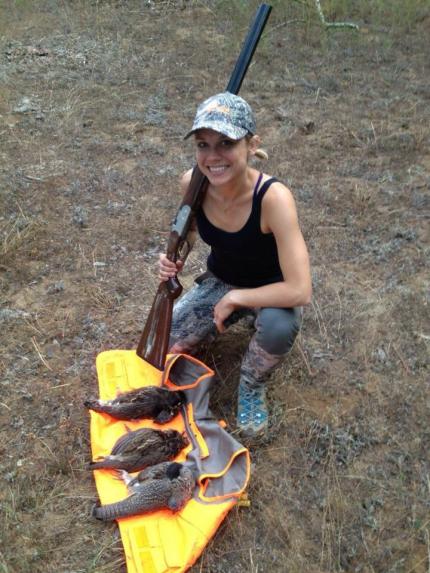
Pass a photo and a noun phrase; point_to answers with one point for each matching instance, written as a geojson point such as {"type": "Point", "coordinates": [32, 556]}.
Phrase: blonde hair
{"type": "Point", "coordinates": [261, 154]}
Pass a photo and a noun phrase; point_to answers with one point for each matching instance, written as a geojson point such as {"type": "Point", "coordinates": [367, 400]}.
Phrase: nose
{"type": "Point", "coordinates": [213, 153]}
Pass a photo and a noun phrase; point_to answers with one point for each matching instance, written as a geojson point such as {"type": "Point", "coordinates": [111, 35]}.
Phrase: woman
{"type": "Point", "coordinates": [258, 261]}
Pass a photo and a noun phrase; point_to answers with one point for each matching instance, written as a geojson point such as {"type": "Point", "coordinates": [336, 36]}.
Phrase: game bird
{"type": "Point", "coordinates": [168, 485]}
{"type": "Point", "coordinates": [148, 402]}
{"type": "Point", "coordinates": [140, 448]}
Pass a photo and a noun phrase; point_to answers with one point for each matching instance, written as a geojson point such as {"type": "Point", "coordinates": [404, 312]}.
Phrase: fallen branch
{"type": "Point", "coordinates": [332, 24]}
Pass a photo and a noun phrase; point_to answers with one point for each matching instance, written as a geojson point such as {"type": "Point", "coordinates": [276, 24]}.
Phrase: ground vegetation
{"type": "Point", "coordinates": [95, 97]}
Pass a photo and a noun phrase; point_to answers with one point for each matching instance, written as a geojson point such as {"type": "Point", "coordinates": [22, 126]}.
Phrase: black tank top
{"type": "Point", "coordinates": [247, 258]}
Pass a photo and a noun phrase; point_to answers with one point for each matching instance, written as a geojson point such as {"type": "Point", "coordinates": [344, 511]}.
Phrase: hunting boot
{"type": "Point", "coordinates": [252, 411]}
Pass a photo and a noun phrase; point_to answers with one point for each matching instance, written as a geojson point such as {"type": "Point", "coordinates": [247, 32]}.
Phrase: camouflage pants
{"type": "Point", "coordinates": [275, 328]}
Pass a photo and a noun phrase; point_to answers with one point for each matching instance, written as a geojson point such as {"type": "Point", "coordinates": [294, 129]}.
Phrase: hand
{"type": "Point", "coordinates": [223, 309]}
{"type": "Point", "coordinates": [168, 269]}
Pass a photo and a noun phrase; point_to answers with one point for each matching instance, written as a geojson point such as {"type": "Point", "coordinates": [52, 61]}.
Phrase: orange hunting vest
{"type": "Point", "coordinates": [162, 541]}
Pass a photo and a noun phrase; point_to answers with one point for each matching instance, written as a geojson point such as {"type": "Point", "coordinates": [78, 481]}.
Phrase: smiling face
{"type": "Point", "coordinates": [220, 158]}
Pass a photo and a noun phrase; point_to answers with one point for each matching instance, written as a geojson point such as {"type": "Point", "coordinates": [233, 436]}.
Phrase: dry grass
{"type": "Point", "coordinates": [94, 101]}
{"type": "Point", "coordinates": [17, 233]}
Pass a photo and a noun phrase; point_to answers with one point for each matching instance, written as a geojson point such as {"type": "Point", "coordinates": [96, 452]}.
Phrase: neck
{"type": "Point", "coordinates": [238, 186]}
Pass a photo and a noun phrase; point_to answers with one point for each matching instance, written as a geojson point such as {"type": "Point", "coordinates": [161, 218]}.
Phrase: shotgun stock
{"type": "Point", "coordinates": [154, 341]}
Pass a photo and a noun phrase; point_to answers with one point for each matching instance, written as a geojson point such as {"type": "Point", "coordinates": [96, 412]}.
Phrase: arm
{"type": "Point", "coordinates": [279, 216]}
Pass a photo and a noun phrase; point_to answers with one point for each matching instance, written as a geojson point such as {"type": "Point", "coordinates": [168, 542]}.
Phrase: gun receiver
{"type": "Point", "coordinates": [154, 341]}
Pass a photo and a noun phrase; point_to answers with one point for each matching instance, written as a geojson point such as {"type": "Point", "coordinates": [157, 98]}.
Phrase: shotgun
{"type": "Point", "coordinates": [154, 341]}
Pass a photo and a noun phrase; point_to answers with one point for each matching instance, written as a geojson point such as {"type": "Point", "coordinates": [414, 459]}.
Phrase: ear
{"type": "Point", "coordinates": [253, 144]}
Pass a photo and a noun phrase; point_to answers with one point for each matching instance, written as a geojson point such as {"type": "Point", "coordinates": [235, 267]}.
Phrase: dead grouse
{"type": "Point", "coordinates": [153, 402]}
{"type": "Point", "coordinates": [168, 485]}
{"type": "Point", "coordinates": [141, 448]}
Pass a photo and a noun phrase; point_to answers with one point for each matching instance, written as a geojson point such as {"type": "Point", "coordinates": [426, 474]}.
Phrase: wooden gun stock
{"type": "Point", "coordinates": [154, 341]}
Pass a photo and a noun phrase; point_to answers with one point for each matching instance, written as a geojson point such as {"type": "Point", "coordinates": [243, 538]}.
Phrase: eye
{"type": "Point", "coordinates": [201, 144]}
{"type": "Point", "coordinates": [227, 143]}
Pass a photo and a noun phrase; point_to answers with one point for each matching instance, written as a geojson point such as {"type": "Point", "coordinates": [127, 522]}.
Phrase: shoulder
{"type": "Point", "coordinates": [277, 195]}
{"type": "Point", "coordinates": [279, 210]}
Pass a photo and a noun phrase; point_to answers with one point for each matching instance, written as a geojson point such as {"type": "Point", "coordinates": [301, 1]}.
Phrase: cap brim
{"type": "Point", "coordinates": [232, 132]}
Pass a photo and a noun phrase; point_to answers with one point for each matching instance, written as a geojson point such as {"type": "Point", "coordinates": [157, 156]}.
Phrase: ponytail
{"type": "Point", "coordinates": [261, 154]}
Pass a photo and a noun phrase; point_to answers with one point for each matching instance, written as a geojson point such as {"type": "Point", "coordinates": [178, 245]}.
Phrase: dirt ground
{"type": "Point", "coordinates": [94, 100]}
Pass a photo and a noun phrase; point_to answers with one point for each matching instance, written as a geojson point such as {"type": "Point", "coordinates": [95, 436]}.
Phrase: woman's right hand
{"type": "Point", "coordinates": [168, 269]}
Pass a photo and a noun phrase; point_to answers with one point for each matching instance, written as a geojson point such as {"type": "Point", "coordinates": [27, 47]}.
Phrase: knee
{"type": "Point", "coordinates": [277, 329]}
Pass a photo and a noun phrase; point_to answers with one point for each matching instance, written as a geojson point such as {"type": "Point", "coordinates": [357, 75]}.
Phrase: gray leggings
{"type": "Point", "coordinates": [275, 328]}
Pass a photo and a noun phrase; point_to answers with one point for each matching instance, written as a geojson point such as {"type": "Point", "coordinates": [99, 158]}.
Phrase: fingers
{"type": "Point", "coordinates": [220, 315]}
{"type": "Point", "coordinates": [222, 310]}
{"type": "Point", "coordinates": [168, 269]}
{"type": "Point", "coordinates": [219, 325]}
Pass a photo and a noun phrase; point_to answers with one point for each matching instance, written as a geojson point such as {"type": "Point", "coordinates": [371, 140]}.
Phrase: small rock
{"type": "Point", "coordinates": [80, 217]}
{"type": "Point", "coordinates": [55, 287]}
{"type": "Point", "coordinates": [7, 314]}
{"type": "Point", "coordinates": [381, 355]}
{"type": "Point", "coordinates": [25, 105]}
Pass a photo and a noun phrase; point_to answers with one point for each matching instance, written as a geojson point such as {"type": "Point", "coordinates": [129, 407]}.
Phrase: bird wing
{"type": "Point", "coordinates": [129, 442]}
{"type": "Point", "coordinates": [153, 472]}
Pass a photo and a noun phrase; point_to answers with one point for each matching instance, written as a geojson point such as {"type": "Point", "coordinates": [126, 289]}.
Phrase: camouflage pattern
{"type": "Point", "coordinates": [192, 325]}
{"type": "Point", "coordinates": [192, 321]}
{"type": "Point", "coordinates": [225, 113]}
{"type": "Point", "coordinates": [257, 364]}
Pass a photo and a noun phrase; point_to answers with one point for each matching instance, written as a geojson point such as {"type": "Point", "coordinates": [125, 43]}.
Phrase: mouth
{"type": "Point", "coordinates": [217, 169]}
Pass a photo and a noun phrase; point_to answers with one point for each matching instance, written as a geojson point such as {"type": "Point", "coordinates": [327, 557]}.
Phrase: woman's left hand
{"type": "Point", "coordinates": [223, 309]}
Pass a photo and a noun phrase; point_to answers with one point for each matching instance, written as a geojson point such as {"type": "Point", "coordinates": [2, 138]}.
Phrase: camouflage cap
{"type": "Point", "coordinates": [225, 113]}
